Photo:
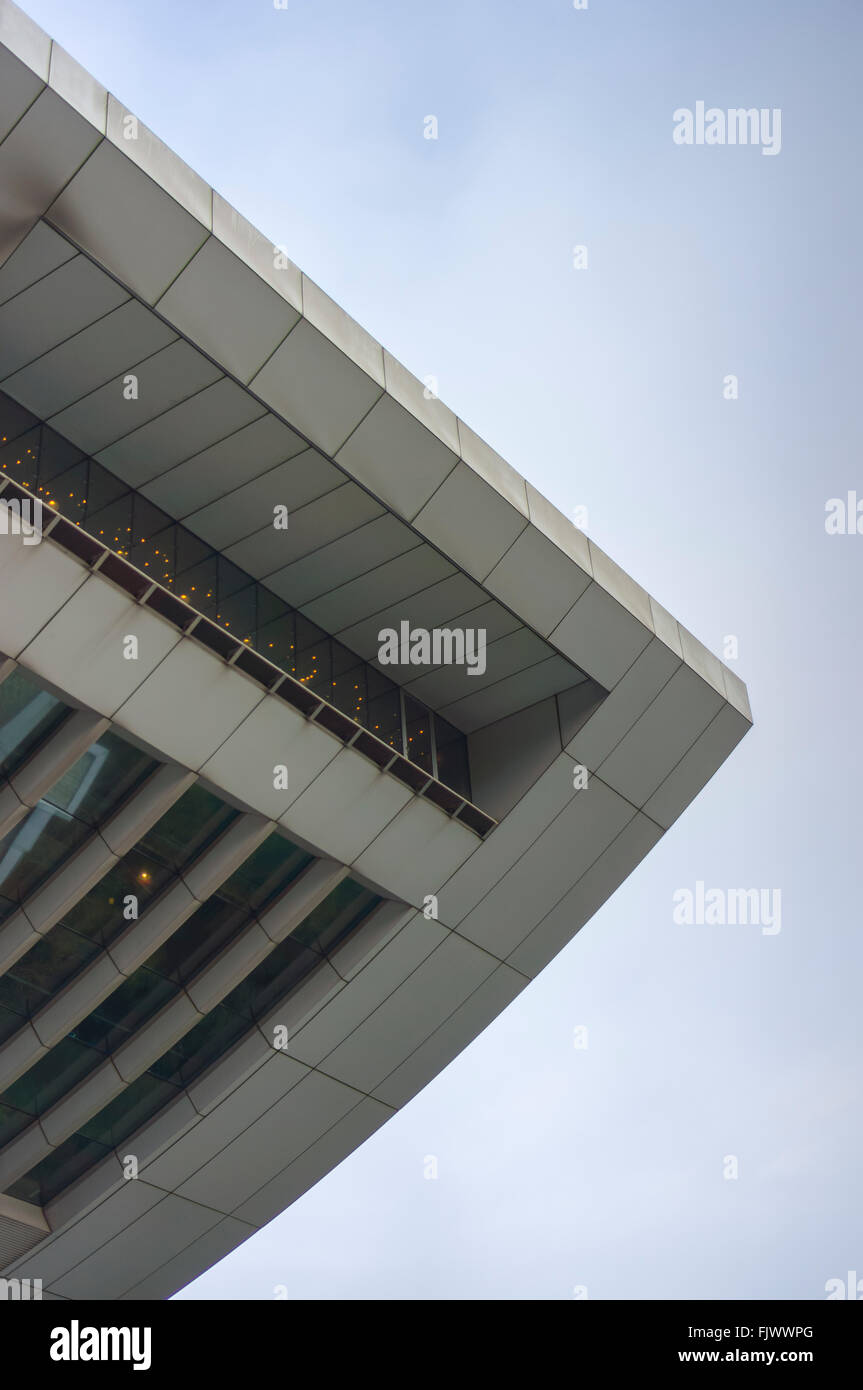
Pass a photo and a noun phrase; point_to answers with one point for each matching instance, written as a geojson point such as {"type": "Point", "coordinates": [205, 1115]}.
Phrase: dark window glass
{"type": "Point", "coordinates": [266, 873]}
{"type": "Point", "coordinates": [191, 825]}
{"type": "Point", "coordinates": [125, 1011]}
{"type": "Point", "coordinates": [100, 916]}
{"type": "Point", "coordinates": [28, 716]}
{"type": "Point", "coordinates": [190, 552]}
{"type": "Point", "coordinates": [419, 735]}
{"type": "Point", "coordinates": [217, 922]}
{"type": "Point", "coordinates": [341, 911]}
{"type": "Point", "coordinates": [348, 687]}
{"type": "Point", "coordinates": [10, 1022]}
{"type": "Point", "coordinates": [385, 717]}
{"type": "Point", "coordinates": [56, 454]}
{"type": "Point", "coordinates": [30, 983]}
{"type": "Point", "coordinates": [136, 1105]}
{"type": "Point", "coordinates": [70, 491]}
{"type": "Point", "coordinates": [41, 843]}
{"type": "Point", "coordinates": [198, 587]}
{"type": "Point", "coordinates": [230, 577]}
{"type": "Point", "coordinates": [92, 789]}
{"type": "Point", "coordinates": [55, 1173]}
{"type": "Point", "coordinates": [236, 613]}
{"type": "Point", "coordinates": [271, 609]}
{"type": "Point", "coordinates": [53, 1076]}
{"type": "Point", "coordinates": [217, 1032]}
{"type": "Point", "coordinates": [276, 635]}
{"type": "Point", "coordinates": [12, 1122]}
{"type": "Point", "coordinates": [102, 489]}
{"type": "Point", "coordinates": [155, 556]}
{"type": "Point", "coordinates": [14, 421]}
{"type": "Point", "coordinates": [277, 974]}
{"type": "Point", "coordinates": [129, 1007]}
{"type": "Point", "coordinates": [112, 524]}
{"type": "Point", "coordinates": [313, 661]}
{"type": "Point", "coordinates": [153, 540]}
{"type": "Point", "coordinates": [19, 459]}
{"type": "Point", "coordinates": [215, 925]}
{"type": "Point", "coordinates": [204, 1044]}
{"type": "Point", "coordinates": [452, 761]}
{"type": "Point", "coordinates": [101, 780]}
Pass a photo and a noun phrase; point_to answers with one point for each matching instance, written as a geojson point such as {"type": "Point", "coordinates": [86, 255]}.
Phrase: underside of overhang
{"type": "Point", "coordinates": [404, 499]}
{"type": "Point", "coordinates": [110, 376]}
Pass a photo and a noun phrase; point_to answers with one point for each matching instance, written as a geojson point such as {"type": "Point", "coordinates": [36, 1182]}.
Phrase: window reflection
{"type": "Point", "coordinates": [107, 1027]}
{"type": "Point", "coordinates": [90, 791]}
{"type": "Point", "coordinates": [28, 716]}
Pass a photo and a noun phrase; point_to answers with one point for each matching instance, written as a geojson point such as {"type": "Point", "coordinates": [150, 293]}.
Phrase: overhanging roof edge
{"type": "Point", "coordinates": [56, 71]}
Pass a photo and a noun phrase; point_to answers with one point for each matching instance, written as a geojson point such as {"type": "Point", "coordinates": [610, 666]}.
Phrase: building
{"type": "Point", "coordinates": [258, 884]}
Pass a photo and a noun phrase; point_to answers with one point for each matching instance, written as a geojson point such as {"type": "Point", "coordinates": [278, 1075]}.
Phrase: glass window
{"type": "Point", "coordinates": [215, 925]}
{"type": "Point", "coordinates": [190, 552]}
{"type": "Point", "coordinates": [230, 577]}
{"type": "Point", "coordinates": [59, 1170]}
{"type": "Point", "coordinates": [19, 459]}
{"type": "Point", "coordinates": [112, 524]}
{"type": "Point", "coordinates": [129, 1007]}
{"type": "Point", "coordinates": [10, 1022]}
{"type": "Point", "coordinates": [101, 915]}
{"type": "Point", "coordinates": [92, 789]}
{"type": "Point", "coordinates": [198, 586]}
{"type": "Point", "coordinates": [36, 847]}
{"type": "Point", "coordinates": [139, 1102]}
{"type": "Point", "coordinates": [101, 780]}
{"type": "Point", "coordinates": [52, 1077]}
{"type": "Point", "coordinates": [56, 454]}
{"type": "Point", "coordinates": [294, 957]}
{"type": "Point", "coordinates": [173, 556]}
{"type": "Point", "coordinates": [419, 735]}
{"type": "Point", "coordinates": [12, 1122]}
{"type": "Point", "coordinates": [28, 716]}
{"type": "Point", "coordinates": [275, 636]}
{"type": "Point", "coordinates": [102, 489]}
{"type": "Point", "coordinates": [14, 421]}
{"type": "Point", "coordinates": [70, 491]}
{"type": "Point", "coordinates": [30, 983]}
{"type": "Point", "coordinates": [452, 761]}
{"type": "Point", "coordinates": [348, 688]}
{"type": "Point", "coordinates": [205, 1043]}
{"type": "Point", "coordinates": [341, 911]}
{"type": "Point", "coordinates": [153, 540]}
{"type": "Point", "coordinates": [191, 825]}
{"type": "Point", "coordinates": [384, 718]}
{"type": "Point", "coordinates": [266, 873]}
{"type": "Point", "coordinates": [125, 1011]}
{"type": "Point", "coordinates": [313, 657]}
{"type": "Point", "coordinates": [237, 613]}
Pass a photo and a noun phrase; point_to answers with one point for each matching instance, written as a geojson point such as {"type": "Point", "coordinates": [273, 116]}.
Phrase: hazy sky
{"type": "Point", "coordinates": [601, 1167]}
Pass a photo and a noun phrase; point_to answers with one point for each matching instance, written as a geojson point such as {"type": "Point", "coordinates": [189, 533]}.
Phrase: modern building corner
{"type": "Point", "coordinates": [259, 886]}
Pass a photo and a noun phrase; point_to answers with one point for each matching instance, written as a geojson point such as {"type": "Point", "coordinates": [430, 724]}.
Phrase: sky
{"type": "Point", "coordinates": [598, 1171]}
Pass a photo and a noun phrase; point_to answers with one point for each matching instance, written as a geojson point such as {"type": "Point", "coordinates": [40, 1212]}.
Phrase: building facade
{"type": "Point", "coordinates": [321, 731]}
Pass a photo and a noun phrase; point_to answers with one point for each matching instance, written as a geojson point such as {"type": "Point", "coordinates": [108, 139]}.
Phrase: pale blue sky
{"type": "Point", "coordinates": [604, 387]}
